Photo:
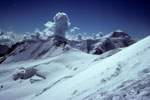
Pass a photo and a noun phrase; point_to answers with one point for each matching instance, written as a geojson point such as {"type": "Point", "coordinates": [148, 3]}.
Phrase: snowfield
{"type": "Point", "coordinates": [65, 73]}
{"type": "Point", "coordinates": [123, 76]}
{"type": "Point", "coordinates": [20, 79]}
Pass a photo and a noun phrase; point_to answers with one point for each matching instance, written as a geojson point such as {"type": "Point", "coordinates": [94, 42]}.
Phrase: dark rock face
{"type": "Point", "coordinates": [14, 47]}
{"type": "Point", "coordinates": [58, 43]}
{"type": "Point", "coordinates": [108, 45]}
{"type": "Point", "coordinates": [119, 34]}
{"type": "Point", "coordinates": [98, 51]}
{"type": "Point", "coordinates": [90, 46]}
{"type": "Point", "coordinates": [114, 40]}
{"type": "Point", "coordinates": [25, 73]}
{"type": "Point", "coordinates": [28, 73]}
{"type": "Point", "coordinates": [2, 59]}
{"type": "Point", "coordinates": [3, 50]}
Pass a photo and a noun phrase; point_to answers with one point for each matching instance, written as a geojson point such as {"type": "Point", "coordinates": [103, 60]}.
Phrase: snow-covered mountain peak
{"type": "Point", "coordinates": [118, 30]}
{"type": "Point", "coordinates": [112, 41]}
{"type": "Point", "coordinates": [117, 33]}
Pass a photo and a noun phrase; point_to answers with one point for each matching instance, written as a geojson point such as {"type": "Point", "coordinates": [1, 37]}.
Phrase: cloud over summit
{"type": "Point", "coordinates": [59, 26]}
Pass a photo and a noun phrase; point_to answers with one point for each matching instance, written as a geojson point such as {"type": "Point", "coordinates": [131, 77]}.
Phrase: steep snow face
{"type": "Point", "coordinates": [122, 76]}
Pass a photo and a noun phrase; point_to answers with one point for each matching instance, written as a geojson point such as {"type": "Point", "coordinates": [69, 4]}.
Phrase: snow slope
{"type": "Point", "coordinates": [34, 76]}
{"type": "Point", "coordinates": [122, 76]}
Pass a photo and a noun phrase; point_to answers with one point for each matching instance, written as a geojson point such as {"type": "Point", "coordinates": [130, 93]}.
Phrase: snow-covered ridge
{"type": "Point", "coordinates": [36, 49]}
{"type": "Point", "coordinates": [55, 45]}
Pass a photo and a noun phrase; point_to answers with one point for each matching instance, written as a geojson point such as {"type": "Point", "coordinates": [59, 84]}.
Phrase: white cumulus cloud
{"type": "Point", "coordinates": [98, 35]}
{"type": "Point", "coordinates": [74, 29]}
{"type": "Point", "coordinates": [9, 38]}
{"type": "Point", "coordinates": [59, 26]}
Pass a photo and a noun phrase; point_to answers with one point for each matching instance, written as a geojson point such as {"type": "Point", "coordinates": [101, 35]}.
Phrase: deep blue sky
{"type": "Point", "coordinates": [91, 16]}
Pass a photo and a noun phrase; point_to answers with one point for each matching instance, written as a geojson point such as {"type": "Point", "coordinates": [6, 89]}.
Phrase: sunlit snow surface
{"type": "Point", "coordinates": [55, 69]}
{"type": "Point", "coordinates": [75, 75]}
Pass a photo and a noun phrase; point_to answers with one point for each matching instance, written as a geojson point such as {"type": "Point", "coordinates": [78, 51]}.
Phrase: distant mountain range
{"type": "Point", "coordinates": [55, 45]}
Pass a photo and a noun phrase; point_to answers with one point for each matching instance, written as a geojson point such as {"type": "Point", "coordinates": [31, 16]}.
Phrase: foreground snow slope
{"type": "Point", "coordinates": [33, 77]}
{"type": "Point", "coordinates": [123, 76]}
